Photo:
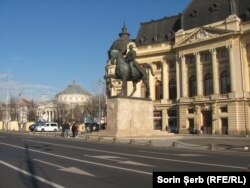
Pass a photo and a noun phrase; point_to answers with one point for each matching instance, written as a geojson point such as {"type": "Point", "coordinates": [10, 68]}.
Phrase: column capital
{"type": "Point", "coordinates": [165, 64]}
{"type": "Point", "coordinates": [229, 46]}
{"type": "Point", "coordinates": [197, 108]}
{"type": "Point", "coordinates": [213, 50]}
{"type": "Point", "coordinates": [165, 61]}
{"type": "Point", "coordinates": [243, 45]}
{"type": "Point", "coordinates": [180, 57]}
{"type": "Point", "coordinates": [196, 53]}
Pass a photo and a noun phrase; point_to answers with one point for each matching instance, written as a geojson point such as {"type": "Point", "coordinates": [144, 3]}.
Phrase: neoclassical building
{"type": "Point", "coordinates": [201, 61]}
{"type": "Point", "coordinates": [65, 100]}
{"type": "Point", "coordinates": [73, 95]}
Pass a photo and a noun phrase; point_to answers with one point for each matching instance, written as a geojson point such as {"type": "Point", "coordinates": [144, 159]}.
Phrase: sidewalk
{"type": "Point", "coordinates": [204, 142]}
{"type": "Point", "coordinates": [200, 142]}
{"type": "Point", "coordinates": [212, 142]}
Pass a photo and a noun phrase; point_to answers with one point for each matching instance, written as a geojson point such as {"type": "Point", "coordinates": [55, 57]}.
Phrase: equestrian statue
{"type": "Point", "coordinates": [127, 69]}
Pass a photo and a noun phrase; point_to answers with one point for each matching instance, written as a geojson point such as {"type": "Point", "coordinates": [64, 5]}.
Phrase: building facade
{"type": "Point", "coordinates": [201, 61]}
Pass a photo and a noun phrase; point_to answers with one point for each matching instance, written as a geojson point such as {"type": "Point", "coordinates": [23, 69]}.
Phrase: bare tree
{"type": "Point", "coordinates": [32, 111]}
{"type": "Point", "coordinates": [61, 109]}
{"type": "Point", "coordinates": [13, 108]}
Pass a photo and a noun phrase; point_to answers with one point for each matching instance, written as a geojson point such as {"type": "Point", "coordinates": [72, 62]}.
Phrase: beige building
{"type": "Point", "coordinates": [201, 61]}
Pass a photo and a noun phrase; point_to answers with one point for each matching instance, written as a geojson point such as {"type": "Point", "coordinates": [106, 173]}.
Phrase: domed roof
{"type": "Point", "coordinates": [74, 88]}
{"type": "Point", "coordinates": [122, 42]}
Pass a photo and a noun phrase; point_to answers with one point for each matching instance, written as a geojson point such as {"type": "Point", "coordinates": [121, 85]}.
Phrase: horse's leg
{"type": "Point", "coordinates": [134, 89]}
{"type": "Point", "coordinates": [146, 83]}
{"type": "Point", "coordinates": [124, 87]}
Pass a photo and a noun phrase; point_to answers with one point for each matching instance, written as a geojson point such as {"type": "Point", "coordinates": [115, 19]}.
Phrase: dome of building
{"type": "Point", "coordinates": [122, 42]}
{"type": "Point", "coordinates": [73, 94]}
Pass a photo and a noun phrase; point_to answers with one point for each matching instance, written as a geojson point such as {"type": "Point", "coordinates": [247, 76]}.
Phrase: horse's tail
{"type": "Point", "coordinates": [148, 66]}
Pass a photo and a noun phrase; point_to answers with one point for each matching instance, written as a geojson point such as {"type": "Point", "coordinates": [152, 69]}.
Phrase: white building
{"type": "Point", "coordinates": [64, 101]}
{"type": "Point", "coordinates": [73, 95]}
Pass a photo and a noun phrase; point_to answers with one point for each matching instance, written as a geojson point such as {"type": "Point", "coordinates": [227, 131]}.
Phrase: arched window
{"type": "Point", "coordinates": [208, 84]}
{"type": "Point", "coordinates": [158, 90]}
{"type": "Point", "coordinates": [225, 83]}
{"type": "Point", "coordinates": [192, 86]}
{"type": "Point", "coordinates": [172, 89]}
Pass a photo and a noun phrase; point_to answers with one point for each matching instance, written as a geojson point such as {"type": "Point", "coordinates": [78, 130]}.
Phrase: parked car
{"type": "Point", "coordinates": [90, 127]}
{"type": "Point", "coordinates": [48, 127]}
{"type": "Point", "coordinates": [33, 126]}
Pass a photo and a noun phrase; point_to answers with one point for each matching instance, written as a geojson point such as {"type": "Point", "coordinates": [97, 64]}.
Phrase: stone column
{"type": "Point", "coordinates": [245, 68]}
{"type": "Point", "coordinates": [197, 117]}
{"type": "Point", "coordinates": [183, 77]}
{"type": "Point", "coordinates": [49, 115]}
{"type": "Point", "coordinates": [178, 83]}
{"type": "Point", "coordinates": [198, 74]}
{"type": "Point", "coordinates": [151, 81]}
{"type": "Point", "coordinates": [216, 129]}
{"type": "Point", "coordinates": [232, 70]}
{"type": "Point", "coordinates": [215, 72]}
{"type": "Point", "coordinates": [165, 74]}
{"type": "Point", "coordinates": [164, 119]}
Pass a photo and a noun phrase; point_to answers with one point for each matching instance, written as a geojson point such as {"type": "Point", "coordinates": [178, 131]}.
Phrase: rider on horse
{"type": "Point", "coordinates": [130, 59]}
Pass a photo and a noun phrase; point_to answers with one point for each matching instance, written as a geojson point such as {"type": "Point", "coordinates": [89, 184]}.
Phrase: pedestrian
{"type": "Point", "coordinates": [74, 129]}
{"type": "Point", "coordinates": [63, 129]}
{"type": "Point", "coordinates": [66, 130]}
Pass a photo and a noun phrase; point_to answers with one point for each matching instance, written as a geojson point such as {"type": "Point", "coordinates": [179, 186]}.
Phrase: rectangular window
{"type": "Point", "coordinates": [158, 66]}
{"type": "Point", "coordinates": [191, 59]}
{"type": "Point", "coordinates": [207, 57]}
{"type": "Point", "coordinates": [172, 65]}
{"type": "Point", "coordinates": [222, 53]}
{"type": "Point", "coordinates": [191, 111]}
{"type": "Point", "coordinates": [223, 109]}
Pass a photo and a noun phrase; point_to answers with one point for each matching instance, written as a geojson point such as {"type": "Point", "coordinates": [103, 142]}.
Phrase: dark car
{"type": "Point", "coordinates": [90, 127]}
{"type": "Point", "coordinates": [34, 125]}
{"type": "Point", "coordinates": [95, 127]}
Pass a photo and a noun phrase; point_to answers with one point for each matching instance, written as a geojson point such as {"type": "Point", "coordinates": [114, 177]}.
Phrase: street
{"type": "Point", "coordinates": [28, 161]}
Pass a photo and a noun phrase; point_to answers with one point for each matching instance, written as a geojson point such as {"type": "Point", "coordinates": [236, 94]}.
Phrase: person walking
{"type": "Point", "coordinates": [66, 130]}
{"type": "Point", "coordinates": [74, 129]}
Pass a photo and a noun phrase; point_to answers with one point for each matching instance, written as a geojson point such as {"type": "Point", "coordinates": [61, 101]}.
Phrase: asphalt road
{"type": "Point", "coordinates": [28, 161]}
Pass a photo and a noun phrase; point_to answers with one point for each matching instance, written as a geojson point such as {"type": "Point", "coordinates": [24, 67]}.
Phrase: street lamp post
{"type": "Point", "coordinates": [5, 78]}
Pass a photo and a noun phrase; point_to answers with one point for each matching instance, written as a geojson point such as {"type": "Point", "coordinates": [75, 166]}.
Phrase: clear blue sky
{"type": "Point", "coordinates": [46, 44]}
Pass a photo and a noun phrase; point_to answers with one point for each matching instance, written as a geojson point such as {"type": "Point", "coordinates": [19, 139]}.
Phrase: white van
{"type": "Point", "coordinates": [50, 126]}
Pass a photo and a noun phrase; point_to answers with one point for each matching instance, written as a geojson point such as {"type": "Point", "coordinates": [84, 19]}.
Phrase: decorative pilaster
{"type": "Point", "coordinates": [215, 71]}
{"type": "Point", "coordinates": [232, 69]}
{"type": "Point", "coordinates": [165, 74]}
{"type": "Point", "coordinates": [198, 74]}
{"type": "Point", "coordinates": [197, 119]}
{"type": "Point", "coordinates": [178, 85]}
{"type": "Point", "coordinates": [245, 68]}
{"type": "Point", "coordinates": [183, 77]}
{"type": "Point", "coordinates": [152, 85]}
{"type": "Point", "coordinates": [216, 129]}
{"type": "Point", "coordinates": [164, 119]}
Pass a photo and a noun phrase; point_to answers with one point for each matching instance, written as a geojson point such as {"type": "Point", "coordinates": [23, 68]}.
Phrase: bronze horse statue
{"type": "Point", "coordinates": [123, 72]}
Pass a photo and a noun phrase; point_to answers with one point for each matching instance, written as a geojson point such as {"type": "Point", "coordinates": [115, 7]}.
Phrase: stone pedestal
{"type": "Point", "coordinates": [129, 117]}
